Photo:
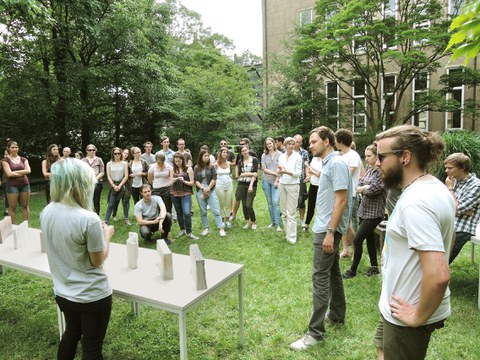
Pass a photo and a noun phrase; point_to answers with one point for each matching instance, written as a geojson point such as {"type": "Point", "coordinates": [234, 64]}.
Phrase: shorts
{"type": "Point", "coordinates": [17, 189]}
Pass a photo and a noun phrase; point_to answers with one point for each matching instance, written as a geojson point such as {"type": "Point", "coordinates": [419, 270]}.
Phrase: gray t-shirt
{"type": "Point", "coordinates": [148, 211]}
{"type": "Point", "coordinates": [70, 234]}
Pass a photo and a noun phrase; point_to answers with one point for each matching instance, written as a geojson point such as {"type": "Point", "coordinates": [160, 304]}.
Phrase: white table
{"type": "Point", "coordinates": [475, 240]}
{"type": "Point", "coordinates": [142, 285]}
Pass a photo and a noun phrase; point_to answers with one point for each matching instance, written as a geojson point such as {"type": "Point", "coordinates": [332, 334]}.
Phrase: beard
{"type": "Point", "coordinates": [393, 177]}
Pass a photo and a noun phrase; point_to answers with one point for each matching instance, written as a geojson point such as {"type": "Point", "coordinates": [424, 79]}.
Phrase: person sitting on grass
{"type": "Point", "coordinates": [151, 215]}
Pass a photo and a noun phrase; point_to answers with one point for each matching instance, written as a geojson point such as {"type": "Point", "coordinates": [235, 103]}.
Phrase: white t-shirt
{"type": "Point", "coordinates": [353, 160]}
{"type": "Point", "coordinates": [315, 164]}
{"type": "Point", "coordinates": [70, 233]}
{"type": "Point", "coordinates": [423, 220]}
{"type": "Point", "coordinates": [161, 177]}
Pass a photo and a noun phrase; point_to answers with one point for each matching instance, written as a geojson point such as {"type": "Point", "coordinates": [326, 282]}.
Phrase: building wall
{"type": "Point", "coordinates": [279, 20]}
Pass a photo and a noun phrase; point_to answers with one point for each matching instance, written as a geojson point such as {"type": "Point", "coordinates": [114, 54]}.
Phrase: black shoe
{"type": "Point", "coordinates": [167, 241]}
{"type": "Point", "coordinates": [373, 271]}
{"type": "Point", "coordinates": [349, 274]}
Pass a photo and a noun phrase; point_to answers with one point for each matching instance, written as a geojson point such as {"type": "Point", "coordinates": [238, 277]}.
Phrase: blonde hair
{"type": "Point", "coordinates": [72, 182]}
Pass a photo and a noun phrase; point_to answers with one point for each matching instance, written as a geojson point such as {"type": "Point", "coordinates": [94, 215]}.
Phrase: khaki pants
{"type": "Point", "coordinates": [288, 208]}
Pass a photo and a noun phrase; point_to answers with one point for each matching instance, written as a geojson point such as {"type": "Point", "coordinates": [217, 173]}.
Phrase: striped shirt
{"type": "Point", "coordinates": [467, 192]}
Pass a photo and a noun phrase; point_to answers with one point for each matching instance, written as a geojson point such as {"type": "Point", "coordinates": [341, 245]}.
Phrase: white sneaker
{"type": "Point", "coordinates": [247, 226]}
{"type": "Point", "coordinates": [192, 237]}
{"type": "Point", "coordinates": [304, 343]}
{"type": "Point", "coordinates": [181, 233]}
{"type": "Point", "coordinates": [270, 226]}
{"type": "Point", "coordinates": [222, 233]}
{"type": "Point", "coordinates": [291, 241]}
{"type": "Point", "coordinates": [228, 224]}
{"type": "Point", "coordinates": [205, 232]}
{"type": "Point", "coordinates": [254, 226]}
{"type": "Point", "coordinates": [231, 218]}
{"type": "Point", "coordinates": [279, 229]}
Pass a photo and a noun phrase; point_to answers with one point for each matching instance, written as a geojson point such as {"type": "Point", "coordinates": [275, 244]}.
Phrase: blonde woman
{"type": "Point", "coordinates": [117, 175]}
{"type": "Point", "coordinates": [96, 163]}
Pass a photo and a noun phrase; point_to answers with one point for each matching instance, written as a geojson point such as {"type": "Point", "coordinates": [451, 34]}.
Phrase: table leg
{"type": "Point", "coordinates": [135, 308]}
{"type": "Point", "coordinates": [61, 322]}
{"type": "Point", "coordinates": [183, 335]}
{"type": "Point", "coordinates": [240, 308]}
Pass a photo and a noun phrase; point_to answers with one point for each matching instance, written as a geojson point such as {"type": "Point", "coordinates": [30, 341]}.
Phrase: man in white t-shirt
{"type": "Point", "coordinates": [152, 215]}
{"type": "Point", "coordinates": [415, 298]}
{"type": "Point", "coordinates": [343, 142]}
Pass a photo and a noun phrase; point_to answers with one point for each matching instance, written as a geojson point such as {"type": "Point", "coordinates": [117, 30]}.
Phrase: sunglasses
{"type": "Point", "coordinates": [117, 153]}
{"type": "Point", "coordinates": [91, 150]}
{"type": "Point", "coordinates": [383, 155]}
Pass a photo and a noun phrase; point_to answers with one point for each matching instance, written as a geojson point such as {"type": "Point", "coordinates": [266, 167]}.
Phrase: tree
{"type": "Point", "coordinates": [357, 43]}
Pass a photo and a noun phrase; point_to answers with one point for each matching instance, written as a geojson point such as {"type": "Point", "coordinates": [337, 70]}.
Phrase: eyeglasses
{"type": "Point", "coordinates": [117, 153]}
{"type": "Point", "coordinates": [91, 150]}
{"type": "Point", "coordinates": [383, 155]}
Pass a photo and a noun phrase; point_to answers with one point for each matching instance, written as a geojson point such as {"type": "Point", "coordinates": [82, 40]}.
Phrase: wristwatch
{"type": "Point", "coordinates": [331, 230]}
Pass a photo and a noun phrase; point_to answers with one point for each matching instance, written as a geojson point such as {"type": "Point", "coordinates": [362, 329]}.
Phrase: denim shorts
{"type": "Point", "coordinates": [17, 189]}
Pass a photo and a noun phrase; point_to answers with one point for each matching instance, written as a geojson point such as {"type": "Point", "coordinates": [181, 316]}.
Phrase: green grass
{"type": "Point", "coordinates": [277, 306]}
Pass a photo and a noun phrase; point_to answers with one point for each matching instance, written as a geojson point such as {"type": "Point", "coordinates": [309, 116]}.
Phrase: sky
{"type": "Point", "coordinates": [238, 20]}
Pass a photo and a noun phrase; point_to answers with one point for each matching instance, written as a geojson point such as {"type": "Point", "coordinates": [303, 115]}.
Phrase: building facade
{"type": "Point", "coordinates": [280, 19]}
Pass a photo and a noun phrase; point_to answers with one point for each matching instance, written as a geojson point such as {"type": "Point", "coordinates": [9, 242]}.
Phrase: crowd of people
{"type": "Point", "coordinates": [345, 200]}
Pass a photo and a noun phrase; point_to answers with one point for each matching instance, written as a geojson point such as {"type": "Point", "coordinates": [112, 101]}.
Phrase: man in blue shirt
{"type": "Point", "coordinates": [334, 200]}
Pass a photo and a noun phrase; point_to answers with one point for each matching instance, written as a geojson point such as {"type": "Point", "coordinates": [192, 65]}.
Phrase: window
{"type": "Point", "coordinates": [389, 98]}
{"type": "Point", "coordinates": [390, 9]}
{"type": "Point", "coordinates": [421, 8]}
{"type": "Point", "coordinates": [454, 118]}
{"type": "Point", "coordinates": [420, 88]}
{"type": "Point", "coordinates": [359, 118]}
{"type": "Point", "coordinates": [332, 105]}
{"type": "Point", "coordinates": [306, 16]}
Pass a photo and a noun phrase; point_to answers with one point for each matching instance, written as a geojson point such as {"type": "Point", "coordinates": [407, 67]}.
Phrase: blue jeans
{"type": "Point", "coordinates": [113, 201]}
{"type": "Point", "coordinates": [183, 206]}
{"type": "Point", "coordinates": [328, 289]}
{"type": "Point", "coordinates": [273, 200]}
{"type": "Point", "coordinates": [213, 203]}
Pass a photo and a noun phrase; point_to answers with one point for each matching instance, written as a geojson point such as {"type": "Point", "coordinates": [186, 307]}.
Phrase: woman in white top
{"type": "Point", "coordinates": [224, 185]}
{"type": "Point", "coordinates": [138, 172]}
{"type": "Point", "coordinates": [159, 175]}
{"type": "Point", "coordinates": [314, 170]}
{"type": "Point", "coordinates": [289, 169]}
{"type": "Point", "coordinates": [117, 176]}
{"type": "Point", "coordinates": [270, 180]}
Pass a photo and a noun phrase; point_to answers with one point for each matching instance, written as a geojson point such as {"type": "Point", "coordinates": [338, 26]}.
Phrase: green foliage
{"type": "Point", "coordinates": [466, 142]}
{"type": "Point", "coordinates": [465, 40]}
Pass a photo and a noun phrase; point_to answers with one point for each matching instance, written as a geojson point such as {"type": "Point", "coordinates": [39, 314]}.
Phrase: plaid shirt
{"type": "Point", "coordinates": [372, 205]}
{"type": "Point", "coordinates": [467, 193]}
{"type": "Point", "coordinates": [304, 155]}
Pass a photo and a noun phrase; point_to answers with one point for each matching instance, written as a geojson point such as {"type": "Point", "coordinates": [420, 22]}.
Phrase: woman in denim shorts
{"type": "Point", "coordinates": [16, 169]}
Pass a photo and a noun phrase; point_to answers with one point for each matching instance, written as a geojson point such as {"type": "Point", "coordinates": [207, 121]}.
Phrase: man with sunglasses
{"type": "Point", "coordinates": [415, 298]}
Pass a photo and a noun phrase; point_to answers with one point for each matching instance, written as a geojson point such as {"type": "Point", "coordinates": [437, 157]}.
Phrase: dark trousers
{"type": "Point", "coordinates": [302, 195]}
{"type": "Point", "coordinates": [312, 201]}
{"type": "Point", "coordinates": [146, 231]}
{"type": "Point", "coordinates": [164, 193]}
{"type": "Point", "coordinates": [247, 200]}
{"type": "Point", "coordinates": [96, 197]}
{"type": "Point", "coordinates": [87, 322]}
{"type": "Point", "coordinates": [365, 231]}
{"type": "Point", "coordinates": [328, 289]}
{"type": "Point", "coordinates": [136, 194]}
{"type": "Point", "coordinates": [47, 191]}
{"type": "Point", "coordinates": [461, 238]}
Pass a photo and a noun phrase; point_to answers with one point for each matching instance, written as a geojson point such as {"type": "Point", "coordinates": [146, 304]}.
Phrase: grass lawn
{"type": "Point", "coordinates": [277, 305]}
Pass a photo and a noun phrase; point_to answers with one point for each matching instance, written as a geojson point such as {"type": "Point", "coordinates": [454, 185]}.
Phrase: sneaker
{"type": "Point", "coordinates": [373, 271]}
{"type": "Point", "coordinates": [167, 241]}
{"type": "Point", "coordinates": [228, 224]}
{"type": "Point", "coordinates": [247, 226]}
{"type": "Point", "coordinates": [254, 226]}
{"type": "Point", "coordinates": [330, 321]}
{"type": "Point", "coordinates": [344, 256]}
{"type": "Point", "coordinates": [349, 274]}
{"type": "Point", "coordinates": [181, 233]}
{"type": "Point", "coordinates": [222, 233]}
{"type": "Point", "coordinates": [114, 218]}
{"type": "Point", "coordinates": [127, 222]}
{"type": "Point", "coordinates": [270, 226]}
{"type": "Point", "coordinates": [231, 218]}
{"type": "Point", "coordinates": [205, 232]}
{"type": "Point", "coordinates": [279, 229]}
{"type": "Point", "coordinates": [290, 241]}
{"type": "Point", "coordinates": [304, 343]}
{"type": "Point", "coordinates": [305, 228]}
{"type": "Point", "coordinates": [192, 237]}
